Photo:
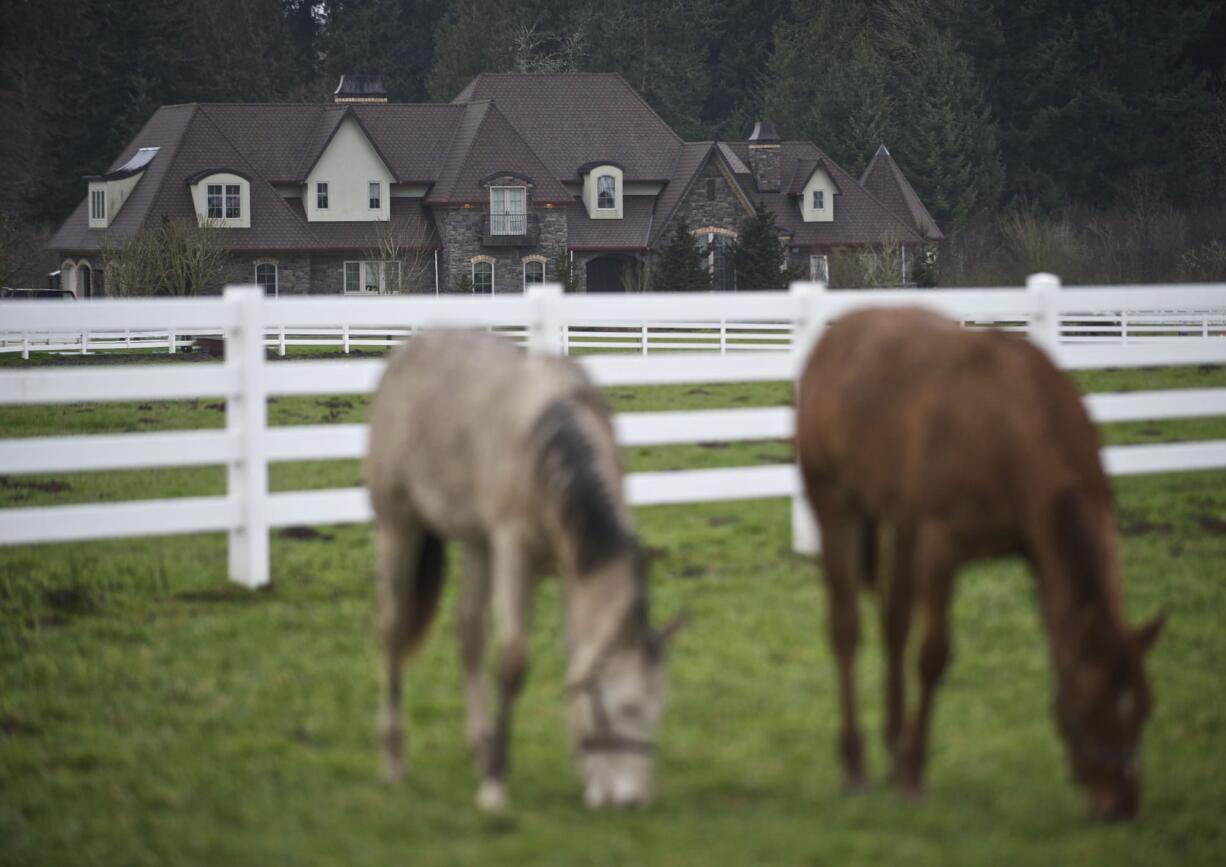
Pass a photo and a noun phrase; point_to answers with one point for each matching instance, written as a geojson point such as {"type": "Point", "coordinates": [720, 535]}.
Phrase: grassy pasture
{"type": "Point", "coordinates": [150, 713]}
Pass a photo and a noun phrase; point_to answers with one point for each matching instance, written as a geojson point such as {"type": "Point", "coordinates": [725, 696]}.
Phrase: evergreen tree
{"type": "Point", "coordinates": [758, 258]}
{"type": "Point", "coordinates": [476, 36]}
{"type": "Point", "coordinates": [393, 39]}
{"type": "Point", "coordinates": [679, 266]}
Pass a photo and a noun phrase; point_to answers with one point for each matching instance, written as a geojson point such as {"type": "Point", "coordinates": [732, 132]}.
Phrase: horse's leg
{"type": "Point", "coordinates": [397, 549]}
{"type": "Point", "coordinates": [471, 620]}
{"type": "Point", "coordinates": [842, 551]}
{"type": "Point", "coordinates": [895, 585]}
{"type": "Point", "coordinates": [510, 590]}
{"type": "Point", "coordinates": [934, 572]}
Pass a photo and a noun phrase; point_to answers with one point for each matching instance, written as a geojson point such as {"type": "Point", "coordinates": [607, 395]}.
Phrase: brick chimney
{"type": "Point", "coordinates": [360, 88]}
{"type": "Point", "coordinates": [764, 157]}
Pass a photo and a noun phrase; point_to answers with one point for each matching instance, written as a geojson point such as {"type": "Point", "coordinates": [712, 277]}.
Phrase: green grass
{"type": "Point", "coordinates": [151, 713]}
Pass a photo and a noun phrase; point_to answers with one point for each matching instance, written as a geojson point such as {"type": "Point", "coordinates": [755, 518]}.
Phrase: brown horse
{"type": "Point", "coordinates": [924, 446]}
{"type": "Point", "coordinates": [513, 456]}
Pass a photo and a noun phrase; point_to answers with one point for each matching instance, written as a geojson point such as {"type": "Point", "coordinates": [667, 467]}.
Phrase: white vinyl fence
{"type": "Point", "coordinates": [698, 331]}
{"type": "Point", "coordinates": [246, 379]}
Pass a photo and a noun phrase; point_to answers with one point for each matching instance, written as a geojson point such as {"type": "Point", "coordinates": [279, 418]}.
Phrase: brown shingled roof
{"type": "Point", "coordinates": [859, 217]}
{"type": "Point", "coordinates": [631, 232]}
{"type": "Point", "coordinates": [486, 144]}
{"type": "Point", "coordinates": [885, 180]}
{"type": "Point", "coordinates": [572, 118]}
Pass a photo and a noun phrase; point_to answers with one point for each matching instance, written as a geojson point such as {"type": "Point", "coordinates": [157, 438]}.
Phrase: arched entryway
{"type": "Point", "coordinates": [612, 274]}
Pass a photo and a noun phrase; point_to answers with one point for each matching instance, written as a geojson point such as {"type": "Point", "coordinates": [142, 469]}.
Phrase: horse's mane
{"type": "Point", "coordinates": [566, 463]}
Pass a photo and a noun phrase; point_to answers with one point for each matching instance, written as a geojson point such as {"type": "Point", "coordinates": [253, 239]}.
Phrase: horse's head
{"type": "Point", "coordinates": [613, 714]}
{"type": "Point", "coordinates": [1102, 704]}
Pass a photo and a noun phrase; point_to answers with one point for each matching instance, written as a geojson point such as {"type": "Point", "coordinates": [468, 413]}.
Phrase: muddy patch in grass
{"type": "Point", "coordinates": [8, 483]}
{"type": "Point", "coordinates": [12, 724]}
{"type": "Point", "coordinates": [301, 533]}
{"type": "Point", "coordinates": [722, 520]}
{"type": "Point", "coordinates": [1142, 527]}
{"type": "Point", "coordinates": [1213, 524]}
{"type": "Point", "coordinates": [71, 600]}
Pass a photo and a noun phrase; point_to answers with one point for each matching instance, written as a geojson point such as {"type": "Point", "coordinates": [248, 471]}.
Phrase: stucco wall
{"type": "Point", "coordinates": [347, 166]}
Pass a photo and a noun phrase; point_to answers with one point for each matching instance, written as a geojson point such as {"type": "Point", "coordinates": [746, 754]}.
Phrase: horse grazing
{"type": "Point", "coordinates": [924, 446]}
{"type": "Point", "coordinates": [513, 456]}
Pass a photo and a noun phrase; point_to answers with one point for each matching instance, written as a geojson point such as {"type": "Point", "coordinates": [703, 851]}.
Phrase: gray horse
{"type": "Point", "coordinates": [512, 455]}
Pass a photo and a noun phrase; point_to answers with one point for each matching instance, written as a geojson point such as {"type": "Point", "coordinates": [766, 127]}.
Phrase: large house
{"type": "Point", "coordinates": [487, 193]}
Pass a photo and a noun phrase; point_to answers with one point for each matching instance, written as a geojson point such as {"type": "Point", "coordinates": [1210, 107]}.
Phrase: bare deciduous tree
{"type": "Point", "coordinates": [177, 258]}
{"type": "Point", "coordinates": [403, 246]}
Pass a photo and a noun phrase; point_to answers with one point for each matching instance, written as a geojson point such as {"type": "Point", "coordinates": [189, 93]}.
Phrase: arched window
{"type": "Point", "coordinates": [266, 278]}
{"type": "Point", "coordinates": [483, 278]}
{"type": "Point", "coordinates": [606, 192]}
{"type": "Point", "coordinates": [534, 272]}
{"type": "Point", "coordinates": [715, 249]}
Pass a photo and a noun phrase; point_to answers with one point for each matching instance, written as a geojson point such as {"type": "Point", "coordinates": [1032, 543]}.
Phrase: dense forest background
{"type": "Point", "coordinates": [1087, 138]}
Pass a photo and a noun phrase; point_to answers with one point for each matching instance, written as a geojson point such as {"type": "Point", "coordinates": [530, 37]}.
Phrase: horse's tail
{"type": "Point", "coordinates": [427, 589]}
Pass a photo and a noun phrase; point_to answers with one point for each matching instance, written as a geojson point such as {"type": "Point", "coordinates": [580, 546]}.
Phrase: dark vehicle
{"type": "Point", "coordinates": [8, 293]}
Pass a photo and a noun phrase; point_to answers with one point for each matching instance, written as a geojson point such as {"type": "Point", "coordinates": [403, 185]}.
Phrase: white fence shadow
{"type": "Point", "coordinates": [1054, 317]}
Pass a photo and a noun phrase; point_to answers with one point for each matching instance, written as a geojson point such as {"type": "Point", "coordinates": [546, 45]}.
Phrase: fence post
{"type": "Point", "coordinates": [545, 331]}
{"type": "Point", "coordinates": [643, 338]}
{"type": "Point", "coordinates": [85, 343]}
{"type": "Point", "coordinates": [1124, 327]}
{"type": "Point", "coordinates": [1045, 327]}
{"type": "Point", "coordinates": [172, 341]}
{"type": "Point", "coordinates": [247, 419]}
{"type": "Point", "coordinates": [25, 345]}
{"type": "Point", "coordinates": [809, 321]}
{"type": "Point", "coordinates": [344, 338]}
{"type": "Point", "coordinates": [281, 341]}
{"type": "Point", "coordinates": [723, 336]}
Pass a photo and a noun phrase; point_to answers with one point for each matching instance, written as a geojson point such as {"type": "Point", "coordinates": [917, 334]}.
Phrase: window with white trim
{"type": "Point", "coordinates": [534, 272]}
{"type": "Point", "coordinates": [819, 199]}
{"type": "Point", "coordinates": [483, 277]}
{"type": "Point", "coordinates": [321, 196]}
{"type": "Point", "coordinates": [819, 268]}
{"type": "Point", "coordinates": [97, 204]}
{"type": "Point", "coordinates": [606, 192]}
{"type": "Point", "coordinates": [716, 250]}
{"type": "Point", "coordinates": [372, 277]}
{"type": "Point", "coordinates": [266, 278]}
{"type": "Point", "coordinates": [508, 210]}
{"type": "Point", "coordinates": [373, 195]}
{"type": "Point", "coordinates": [234, 202]}
{"type": "Point", "coordinates": [214, 195]}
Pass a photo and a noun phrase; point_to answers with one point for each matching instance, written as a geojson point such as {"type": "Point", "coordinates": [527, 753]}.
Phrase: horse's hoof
{"type": "Point", "coordinates": [492, 798]}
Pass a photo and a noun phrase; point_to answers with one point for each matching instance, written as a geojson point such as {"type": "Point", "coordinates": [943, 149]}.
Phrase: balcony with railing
{"type": "Point", "coordinates": [510, 230]}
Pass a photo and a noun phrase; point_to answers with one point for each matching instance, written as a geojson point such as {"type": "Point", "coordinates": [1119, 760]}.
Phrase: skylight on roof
{"type": "Point", "coordinates": [139, 161]}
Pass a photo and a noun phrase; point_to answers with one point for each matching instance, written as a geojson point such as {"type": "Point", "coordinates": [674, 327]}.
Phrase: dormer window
{"type": "Point", "coordinates": [373, 195]}
{"type": "Point", "coordinates": [321, 196]}
{"type": "Point", "coordinates": [603, 190]}
{"type": "Point", "coordinates": [606, 192]}
{"type": "Point", "coordinates": [222, 198]}
{"type": "Point", "coordinates": [819, 199]}
{"type": "Point", "coordinates": [97, 205]}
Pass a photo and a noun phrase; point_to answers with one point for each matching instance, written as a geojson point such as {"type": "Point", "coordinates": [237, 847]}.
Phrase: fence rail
{"type": "Point", "coordinates": [543, 317]}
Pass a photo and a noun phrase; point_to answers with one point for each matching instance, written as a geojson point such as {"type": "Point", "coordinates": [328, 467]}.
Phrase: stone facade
{"type": "Point", "coordinates": [293, 272]}
{"type": "Point", "coordinates": [462, 233]}
{"type": "Point", "coordinates": [710, 202]}
{"type": "Point", "coordinates": [764, 163]}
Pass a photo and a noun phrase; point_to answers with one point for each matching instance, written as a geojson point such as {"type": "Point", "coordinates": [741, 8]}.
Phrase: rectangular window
{"type": "Point", "coordinates": [266, 278]}
{"type": "Point", "coordinates": [372, 278]}
{"type": "Point", "coordinates": [508, 211]}
{"type": "Point", "coordinates": [373, 189]}
{"type": "Point", "coordinates": [97, 204]}
{"type": "Point", "coordinates": [234, 200]}
{"type": "Point", "coordinates": [321, 196]}
{"type": "Point", "coordinates": [819, 268]}
{"type": "Point", "coordinates": [819, 199]}
{"type": "Point", "coordinates": [213, 198]}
